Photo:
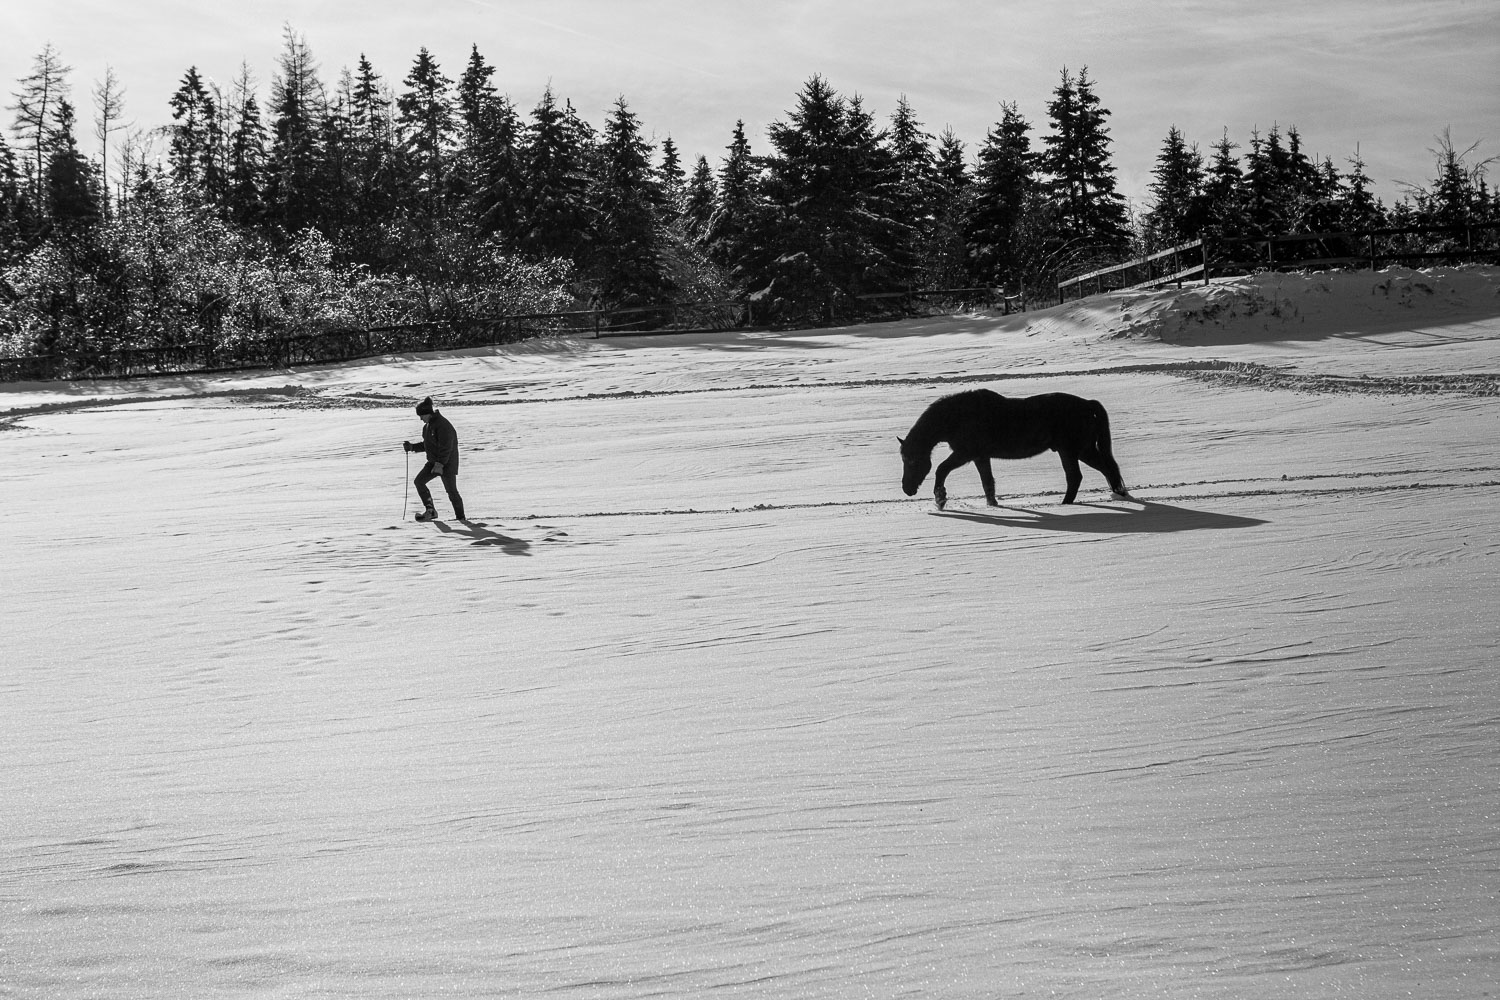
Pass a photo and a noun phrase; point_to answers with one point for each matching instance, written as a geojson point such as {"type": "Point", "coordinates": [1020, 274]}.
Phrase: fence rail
{"type": "Point", "coordinates": [1241, 254]}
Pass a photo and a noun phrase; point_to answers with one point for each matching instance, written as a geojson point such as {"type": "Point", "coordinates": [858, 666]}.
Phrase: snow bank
{"type": "Point", "coordinates": [1274, 306]}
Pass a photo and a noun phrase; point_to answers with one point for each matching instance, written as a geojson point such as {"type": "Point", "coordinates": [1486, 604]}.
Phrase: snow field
{"type": "Point", "coordinates": [701, 703]}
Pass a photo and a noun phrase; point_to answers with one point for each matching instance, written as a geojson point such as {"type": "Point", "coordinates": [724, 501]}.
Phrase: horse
{"type": "Point", "coordinates": [980, 425]}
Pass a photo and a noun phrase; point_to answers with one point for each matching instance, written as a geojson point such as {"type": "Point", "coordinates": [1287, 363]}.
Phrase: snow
{"type": "Point", "coordinates": [701, 703]}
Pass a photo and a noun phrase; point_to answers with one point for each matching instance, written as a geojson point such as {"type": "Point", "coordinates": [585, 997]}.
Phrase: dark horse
{"type": "Point", "coordinates": [980, 425]}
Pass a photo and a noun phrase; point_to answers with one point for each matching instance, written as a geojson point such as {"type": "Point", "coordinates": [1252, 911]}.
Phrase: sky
{"type": "Point", "coordinates": [1386, 78]}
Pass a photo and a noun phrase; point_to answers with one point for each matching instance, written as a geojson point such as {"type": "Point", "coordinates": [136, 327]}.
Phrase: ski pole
{"type": "Point", "coordinates": [405, 499]}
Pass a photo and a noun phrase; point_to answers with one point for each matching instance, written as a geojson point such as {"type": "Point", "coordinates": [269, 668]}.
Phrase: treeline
{"type": "Point", "coordinates": [435, 199]}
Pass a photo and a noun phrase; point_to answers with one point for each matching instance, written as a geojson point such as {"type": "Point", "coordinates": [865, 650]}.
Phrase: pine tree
{"type": "Point", "coordinates": [335, 179]}
{"type": "Point", "coordinates": [1308, 183]}
{"type": "Point", "coordinates": [943, 251]}
{"type": "Point", "coordinates": [952, 169]}
{"type": "Point", "coordinates": [1452, 196]}
{"type": "Point", "coordinates": [882, 257]}
{"type": "Point", "coordinates": [1223, 192]}
{"type": "Point", "coordinates": [1274, 201]}
{"type": "Point", "coordinates": [499, 193]}
{"type": "Point", "coordinates": [625, 196]}
{"type": "Point", "coordinates": [476, 98]}
{"type": "Point", "coordinates": [1177, 185]}
{"type": "Point", "coordinates": [829, 229]}
{"type": "Point", "coordinates": [1082, 176]}
{"type": "Point", "coordinates": [194, 138]}
{"type": "Point", "coordinates": [699, 198]}
{"type": "Point", "coordinates": [1004, 179]}
{"type": "Point", "coordinates": [297, 102]}
{"type": "Point", "coordinates": [918, 186]}
{"type": "Point", "coordinates": [247, 162]}
{"type": "Point", "coordinates": [803, 189]}
{"type": "Point", "coordinates": [553, 211]}
{"type": "Point", "coordinates": [370, 106]}
{"type": "Point", "coordinates": [1323, 202]}
{"type": "Point", "coordinates": [72, 191]}
{"type": "Point", "coordinates": [375, 163]}
{"type": "Point", "coordinates": [670, 175]}
{"type": "Point", "coordinates": [736, 207]}
{"type": "Point", "coordinates": [1358, 208]}
{"type": "Point", "coordinates": [426, 123]}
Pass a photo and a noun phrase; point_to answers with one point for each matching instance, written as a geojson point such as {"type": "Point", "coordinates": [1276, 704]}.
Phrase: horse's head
{"type": "Point", "coordinates": [914, 468]}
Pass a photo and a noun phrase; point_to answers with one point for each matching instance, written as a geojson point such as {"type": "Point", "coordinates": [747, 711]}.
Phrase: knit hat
{"type": "Point", "coordinates": [424, 407]}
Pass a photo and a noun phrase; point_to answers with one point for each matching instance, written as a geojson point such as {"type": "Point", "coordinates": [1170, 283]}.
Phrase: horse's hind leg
{"type": "Point", "coordinates": [987, 478]}
{"type": "Point", "coordinates": [1072, 472]}
{"type": "Point", "coordinates": [1106, 464]}
{"type": "Point", "coordinates": [947, 465]}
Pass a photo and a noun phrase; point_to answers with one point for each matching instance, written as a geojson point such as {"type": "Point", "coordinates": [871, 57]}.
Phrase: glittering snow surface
{"type": "Point", "coordinates": [700, 704]}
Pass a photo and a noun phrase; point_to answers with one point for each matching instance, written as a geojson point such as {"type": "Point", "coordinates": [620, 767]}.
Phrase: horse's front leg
{"type": "Point", "coordinates": [939, 491]}
{"type": "Point", "coordinates": [987, 479]}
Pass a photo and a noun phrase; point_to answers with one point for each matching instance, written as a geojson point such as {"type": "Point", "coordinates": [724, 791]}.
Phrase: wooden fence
{"type": "Point", "coordinates": [1366, 248]}
{"type": "Point", "coordinates": [331, 346]}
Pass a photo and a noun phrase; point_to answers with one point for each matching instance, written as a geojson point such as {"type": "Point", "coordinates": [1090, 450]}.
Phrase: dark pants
{"type": "Point", "coordinates": [450, 483]}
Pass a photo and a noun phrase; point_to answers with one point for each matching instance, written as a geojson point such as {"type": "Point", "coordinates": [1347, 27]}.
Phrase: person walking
{"type": "Point", "coordinates": [440, 444]}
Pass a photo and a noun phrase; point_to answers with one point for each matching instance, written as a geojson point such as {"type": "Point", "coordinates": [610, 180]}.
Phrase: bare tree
{"type": "Point", "coordinates": [109, 111]}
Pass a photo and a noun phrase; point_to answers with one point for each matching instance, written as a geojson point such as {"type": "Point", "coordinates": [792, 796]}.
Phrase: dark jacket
{"type": "Point", "coordinates": [439, 440]}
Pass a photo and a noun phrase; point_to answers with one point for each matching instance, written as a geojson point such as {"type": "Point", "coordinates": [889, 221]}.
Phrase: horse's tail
{"type": "Point", "coordinates": [1100, 428]}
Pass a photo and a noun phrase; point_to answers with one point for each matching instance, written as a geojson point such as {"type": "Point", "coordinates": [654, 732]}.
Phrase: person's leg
{"type": "Point", "coordinates": [450, 483]}
{"type": "Point", "coordinates": [423, 478]}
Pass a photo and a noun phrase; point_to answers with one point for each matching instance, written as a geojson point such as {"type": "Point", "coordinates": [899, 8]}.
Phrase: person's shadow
{"type": "Point", "coordinates": [482, 535]}
{"type": "Point", "coordinates": [1146, 516]}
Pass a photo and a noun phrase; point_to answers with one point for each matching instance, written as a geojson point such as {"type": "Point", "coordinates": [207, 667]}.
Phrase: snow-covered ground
{"type": "Point", "coordinates": [700, 704]}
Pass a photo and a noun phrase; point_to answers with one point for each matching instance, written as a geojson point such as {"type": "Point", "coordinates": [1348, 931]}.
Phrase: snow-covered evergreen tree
{"type": "Point", "coordinates": [625, 197]}
{"type": "Point", "coordinates": [1004, 179]}
{"type": "Point", "coordinates": [699, 197]}
{"type": "Point", "coordinates": [1177, 187]}
{"type": "Point", "coordinates": [425, 122]}
{"type": "Point", "coordinates": [297, 102]}
{"type": "Point", "coordinates": [1081, 173]}
{"type": "Point", "coordinates": [553, 211]}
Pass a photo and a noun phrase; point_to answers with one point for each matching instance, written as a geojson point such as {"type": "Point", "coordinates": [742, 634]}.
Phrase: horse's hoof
{"type": "Point", "coordinates": [1123, 496]}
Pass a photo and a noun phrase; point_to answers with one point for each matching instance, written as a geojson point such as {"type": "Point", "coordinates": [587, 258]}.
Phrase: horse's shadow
{"type": "Point", "coordinates": [482, 535]}
{"type": "Point", "coordinates": [1147, 517]}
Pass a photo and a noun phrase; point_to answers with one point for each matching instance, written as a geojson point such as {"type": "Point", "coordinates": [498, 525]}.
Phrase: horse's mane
{"type": "Point", "coordinates": [935, 421]}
